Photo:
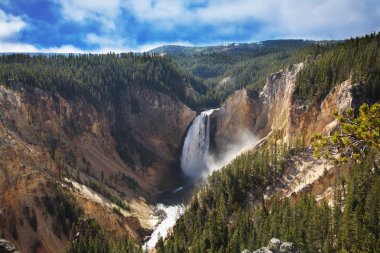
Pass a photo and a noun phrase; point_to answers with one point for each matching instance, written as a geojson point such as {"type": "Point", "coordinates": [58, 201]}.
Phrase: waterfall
{"type": "Point", "coordinates": [196, 162]}
{"type": "Point", "coordinates": [195, 152]}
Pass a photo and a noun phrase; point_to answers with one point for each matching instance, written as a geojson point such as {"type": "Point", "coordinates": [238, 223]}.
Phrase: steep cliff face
{"type": "Point", "coordinates": [307, 119]}
{"type": "Point", "coordinates": [46, 138]}
{"type": "Point", "coordinates": [235, 119]}
{"type": "Point", "coordinates": [152, 126]}
{"type": "Point", "coordinates": [277, 99]}
{"type": "Point", "coordinates": [275, 109]}
{"type": "Point", "coordinates": [275, 113]}
{"type": "Point", "coordinates": [148, 124]}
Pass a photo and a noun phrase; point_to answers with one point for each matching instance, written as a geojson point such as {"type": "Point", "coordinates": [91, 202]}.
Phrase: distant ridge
{"type": "Point", "coordinates": [224, 48]}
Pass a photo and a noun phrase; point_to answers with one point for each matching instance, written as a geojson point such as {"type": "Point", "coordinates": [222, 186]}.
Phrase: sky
{"type": "Point", "coordinates": [100, 26]}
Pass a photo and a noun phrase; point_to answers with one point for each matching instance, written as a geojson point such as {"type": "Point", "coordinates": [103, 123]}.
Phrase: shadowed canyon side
{"type": "Point", "coordinates": [154, 125]}
{"type": "Point", "coordinates": [147, 126]}
{"type": "Point", "coordinates": [46, 139]}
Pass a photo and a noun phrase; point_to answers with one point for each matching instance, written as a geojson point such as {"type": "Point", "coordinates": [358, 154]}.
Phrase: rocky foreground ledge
{"type": "Point", "coordinates": [276, 246]}
{"type": "Point", "coordinates": [7, 247]}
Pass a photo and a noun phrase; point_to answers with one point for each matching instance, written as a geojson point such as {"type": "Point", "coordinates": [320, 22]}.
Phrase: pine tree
{"type": "Point", "coordinates": [160, 247]}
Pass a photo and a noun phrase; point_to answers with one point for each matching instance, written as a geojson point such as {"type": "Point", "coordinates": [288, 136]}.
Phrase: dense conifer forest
{"type": "Point", "coordinates": [193, 78]}
{"type": "Point", "coordinates": [356, 58]}
{"type": "Point", "coordinates": [247, 65]}
{"type": "Point", "coordinates": [229, 215]}
{"type": "Point", "coordinates": [88, 236]}
{"type": "Point", "coordinates": [98, 78]}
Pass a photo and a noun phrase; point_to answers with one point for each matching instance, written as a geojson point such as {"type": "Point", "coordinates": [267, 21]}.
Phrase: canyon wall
{"type": "Point", "coordinates": [50, 147]}
{"type": "Point", "coordinates": [146, 125]}
{"type": "Point", "coordinates": [276, 109]}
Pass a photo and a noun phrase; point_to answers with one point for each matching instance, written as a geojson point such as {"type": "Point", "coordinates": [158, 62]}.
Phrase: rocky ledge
{"type": "Point", "coordinates": [7, 247]}
{"type": "Point", "coordinates": [276, 246]}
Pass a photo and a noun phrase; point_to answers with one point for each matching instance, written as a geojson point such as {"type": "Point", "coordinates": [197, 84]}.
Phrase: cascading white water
{"type": "Point", "coordinates": [197, 163]}
{"type": "Point", "coordinates": [195, 152]}
{"type": "Point", "coordinates": [172, 214]}
{"type": "Point", "coordinates": [194, 163]}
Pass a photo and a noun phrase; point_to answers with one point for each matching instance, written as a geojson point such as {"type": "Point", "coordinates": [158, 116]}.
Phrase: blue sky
{"type": "Point", "coordinates": [138, 25]}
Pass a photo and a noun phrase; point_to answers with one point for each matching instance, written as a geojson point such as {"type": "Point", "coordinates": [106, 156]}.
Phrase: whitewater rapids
{"type": "Point", "coordinates": [172, 214]}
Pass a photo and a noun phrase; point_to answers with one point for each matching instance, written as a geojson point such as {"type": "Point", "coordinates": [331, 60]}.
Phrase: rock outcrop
{"type": "Point", "coordinates": [257, 114]}
{"type": "Point", "coordinates": [305, 119]}
{"type": "Point", "coordinates": [276, 109]}
{"type": "Point", "coordinates": [235, 119]}
{"type": "Point", "coordinates": [276, 113]}
{"type": "Point", "coordinates": [7, 247]}
{"type": "Point", "coordinates": [276, 246]}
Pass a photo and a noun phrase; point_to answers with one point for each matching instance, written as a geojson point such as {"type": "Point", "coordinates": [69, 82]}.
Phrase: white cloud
{"type": "Point", "coordinates": [10, 25]}
{"type": "Point", "coordinates": [62, 49]}
{"type": "Point", "coordinates": [104, 41]}
{"type": "Point", "coordinates": [322, 19]}
{"type": "Point", "coordinates": [15, 47]}
{"type": "Point", "coordinates": [116, 44]}
{"type": "Point", "coordinates": [166, 13]}
{"type": "Point", "coordinates": [281, 18]}
{"type": "Point", "coordinates": [259, 19]}
{"type": "Point", "coordinates": [101, 11]}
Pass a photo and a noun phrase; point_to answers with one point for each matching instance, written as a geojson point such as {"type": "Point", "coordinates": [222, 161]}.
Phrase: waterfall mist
{"type": "Point", "coordinates": [197, 163]}
{"type": "Point", "coordinates": [244, 142]}
{"type": "Point", "coordinates": [196, 160]}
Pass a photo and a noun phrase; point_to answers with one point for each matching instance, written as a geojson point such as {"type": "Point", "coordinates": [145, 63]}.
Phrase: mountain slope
{"type": "Point", "coordinates": [280, 190]}
{"type": "Point", "coordinates": [227, 68]}
{"type": "Point", "coordinates": [98, 78]}
{"type": "Point", "coordinates": [100, 146]}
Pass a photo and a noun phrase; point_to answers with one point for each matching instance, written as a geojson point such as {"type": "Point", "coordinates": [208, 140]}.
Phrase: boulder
{"type": "Point", "coordinates": [287, 247]}
{"type": "Point", "coordinates": [274, 245]}
{"type": "Point", "coordinates": [7, 247]}
{"type": "Point", "coordinates": [263, 250]}
{"type": "Point", "coordinates": [246, 251]}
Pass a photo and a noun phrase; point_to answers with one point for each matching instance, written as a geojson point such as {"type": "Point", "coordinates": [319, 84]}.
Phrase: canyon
{"type": "Point", "coordinates": [249, 119]}
{"type": "Point", "coordinates": [46, 138]}
{"type": "Point", "coordinates": [51, 145]}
